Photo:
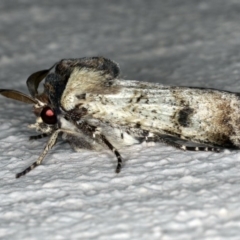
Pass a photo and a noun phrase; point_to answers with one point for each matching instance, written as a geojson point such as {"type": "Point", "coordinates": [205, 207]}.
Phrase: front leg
{"type": "Point", "coordinates": [51, 142]}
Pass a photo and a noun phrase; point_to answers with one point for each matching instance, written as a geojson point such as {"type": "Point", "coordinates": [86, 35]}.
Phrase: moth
{"type": "Point", "coordinates": [86, 102]}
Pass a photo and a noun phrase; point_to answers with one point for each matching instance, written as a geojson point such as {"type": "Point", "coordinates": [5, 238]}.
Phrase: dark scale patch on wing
{"type": "Point", "coordinates": [139, 98]}
{"type": "Point", "coordinates": [138, 125]}
{"type": "Point", "coordinates": [76, 114]}
{"type": "Point", "coordinates": [184, 116]}
{"type": "Point", "coordinates": [81, 96]}
{"type": "Point", "coordinates": [222, 140]}
{"type": "Point", "coordinates": [224, 124]}
{"type": "Point", "coordinates": [122, 135]}
{"type": "Point", "coordinates": [66, 66]}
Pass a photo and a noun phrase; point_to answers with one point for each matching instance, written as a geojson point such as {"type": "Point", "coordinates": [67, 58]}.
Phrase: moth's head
{"type": "Point", "coordinates": [46, 119]}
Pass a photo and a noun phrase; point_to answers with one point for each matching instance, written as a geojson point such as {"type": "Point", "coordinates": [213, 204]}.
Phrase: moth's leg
{"type": "Point", "coordinates": [199, 148]}
{"type": "Point", "coordinates": [43, 135]}
{"type": "Point", "coordinates": [115, 151]}
{"type": "Point", "coordinates": [92, 134]}
{"type": "Point", "coordinates": [51, 142]}
{"type": "Point", "coordinates": [185, 145]}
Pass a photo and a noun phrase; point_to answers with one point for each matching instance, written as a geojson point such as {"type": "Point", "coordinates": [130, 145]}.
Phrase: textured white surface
{"type": "Point", "coordinates": [161, 193]}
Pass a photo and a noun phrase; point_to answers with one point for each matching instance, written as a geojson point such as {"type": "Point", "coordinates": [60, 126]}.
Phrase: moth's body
{"type": "Point", "coordinates": [93, 109]}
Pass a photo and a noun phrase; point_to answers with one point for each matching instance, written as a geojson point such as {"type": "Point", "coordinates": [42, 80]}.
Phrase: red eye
{"type": "Point", "coordinates": [48, 116]}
